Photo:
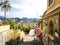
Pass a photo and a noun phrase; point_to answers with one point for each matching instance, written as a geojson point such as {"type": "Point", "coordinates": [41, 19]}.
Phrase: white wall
{"type": "Point", "coordinates": [3, 34]}
{"type": "Point", "coordinates": [3, 28]}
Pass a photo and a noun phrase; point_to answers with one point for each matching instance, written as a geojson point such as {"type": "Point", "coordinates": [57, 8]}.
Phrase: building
{"type": "Point", "coordinates": [50, 21]}
{"type": "Point", "coordinates": [22, 23]}
{"type": "Point", "coordinates": [40, 24]}
{"type": "Point", "coordinates": [51, 16]}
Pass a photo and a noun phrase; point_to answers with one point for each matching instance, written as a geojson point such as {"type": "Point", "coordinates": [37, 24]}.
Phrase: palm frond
{"type": "Point", "coordinates": [6, 1]}
{"type": "Point", "coordinates": [6, 6]}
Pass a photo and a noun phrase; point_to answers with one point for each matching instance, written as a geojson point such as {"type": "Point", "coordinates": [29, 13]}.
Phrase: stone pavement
{"type": "Point", "coordinates": [35, 42]}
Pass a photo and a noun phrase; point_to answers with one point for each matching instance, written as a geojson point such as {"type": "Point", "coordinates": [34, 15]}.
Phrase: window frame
{"type": "Point", "coordinates": [50, 4]}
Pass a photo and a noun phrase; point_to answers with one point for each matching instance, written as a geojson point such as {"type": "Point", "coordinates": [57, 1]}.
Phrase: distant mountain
{"type": "Point", "coordinates": [17, 18]}
{"type": "Point", "coordinates": [2, 18]}
{"type": "Point", "coordinates": [24, 18]}
{"type": "Point", "coordinates": [14, 18]}
{"type": "Point", "coordinates": [32, 19]}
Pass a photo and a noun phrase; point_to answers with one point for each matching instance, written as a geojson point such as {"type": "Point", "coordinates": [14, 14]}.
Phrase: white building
{"type": "Point", "coordinates": [34, 24]}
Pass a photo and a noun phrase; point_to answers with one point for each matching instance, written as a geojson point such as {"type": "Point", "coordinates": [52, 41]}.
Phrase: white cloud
{"type": "Point", "coordinates": [29, 7]}
{"type": "Point", "coordinates": [1, 13]}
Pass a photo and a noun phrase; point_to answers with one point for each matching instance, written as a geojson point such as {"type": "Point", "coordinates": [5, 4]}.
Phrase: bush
{"type": "Point", "coordinates": [15, 27]}
{"type": "Point", "coordinates": [26, 29]}
{"type": "Point", "coordinates": [11, 23]}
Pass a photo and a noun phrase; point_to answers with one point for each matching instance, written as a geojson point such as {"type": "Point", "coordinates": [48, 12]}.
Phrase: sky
{"type": "Point", "coordinates": [26, 8]}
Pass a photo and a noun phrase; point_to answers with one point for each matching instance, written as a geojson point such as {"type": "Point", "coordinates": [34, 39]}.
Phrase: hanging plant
{"type": "Point", "coordinates": [46, 31]}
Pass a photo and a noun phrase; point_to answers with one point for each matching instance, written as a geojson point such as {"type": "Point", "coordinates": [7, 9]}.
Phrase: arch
{"type": "Point", "coordinates": [51, 27]}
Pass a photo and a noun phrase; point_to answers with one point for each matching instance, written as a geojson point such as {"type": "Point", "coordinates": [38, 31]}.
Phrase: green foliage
{"type": "Point", "coordinates": [30, 27]}
{"type": "Point", "coordinates": [46, 31]}
{"type": "Point", "coordinates": [15, 27]}
{"type": "Point", "coordinates": [26, 29]}
{"type": "Point", "coordinates": [12, 24]}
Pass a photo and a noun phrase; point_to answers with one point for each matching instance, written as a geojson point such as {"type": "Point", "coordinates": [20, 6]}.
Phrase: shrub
{"type": "Point", "coordinates": [26, 29]}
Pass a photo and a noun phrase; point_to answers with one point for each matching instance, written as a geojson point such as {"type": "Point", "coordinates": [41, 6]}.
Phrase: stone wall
{"type": "Point", "coordinates": [3, 34]}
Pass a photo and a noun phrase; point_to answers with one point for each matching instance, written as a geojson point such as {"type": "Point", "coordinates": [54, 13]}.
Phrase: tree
{"type": "Point", "coordinates": [5, 6]}
{"type": "Point", "coordinates": [15, 29]}
{"type": "Point", "coordinates": [11, 23]}
{"type": "Point", "coordinates": [26, 29]}
{"type": "Point", "coordinates": [13, 26]}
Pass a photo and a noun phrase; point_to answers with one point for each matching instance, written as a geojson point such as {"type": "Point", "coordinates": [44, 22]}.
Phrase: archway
{"type": "Point", "coordinates": [51, 28]}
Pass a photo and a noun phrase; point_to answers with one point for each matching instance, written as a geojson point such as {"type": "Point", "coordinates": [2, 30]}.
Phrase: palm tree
{"type": "Point", "coordinates": [5, 6]}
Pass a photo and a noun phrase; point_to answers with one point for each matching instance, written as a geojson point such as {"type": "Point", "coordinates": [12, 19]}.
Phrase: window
{"type": "Point", "coordinates": [36, 24]}
{"type": "Point", "coordinates": [51, 28]}
{"type": "Point", "coordinates": [50, 2]}
{"type": "Point", "coordinates": [33, 24]}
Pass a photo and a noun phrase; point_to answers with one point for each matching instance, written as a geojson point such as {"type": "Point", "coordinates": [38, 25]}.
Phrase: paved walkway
{"type": "Point", "coordinates": [29, 43]}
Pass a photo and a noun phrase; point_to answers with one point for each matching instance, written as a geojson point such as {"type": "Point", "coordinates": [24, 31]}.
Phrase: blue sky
{"type": "Point", "coordinates": [26, 8]}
